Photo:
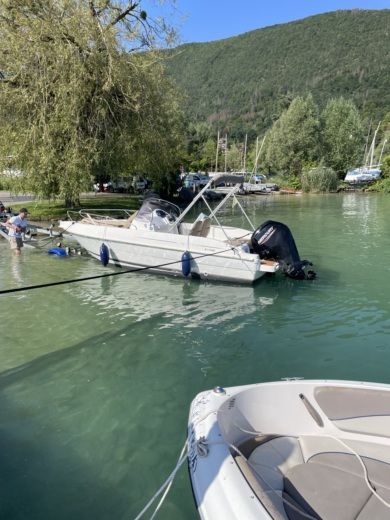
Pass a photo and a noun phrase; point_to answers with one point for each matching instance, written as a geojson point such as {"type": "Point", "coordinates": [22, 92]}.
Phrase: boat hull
{"type": "Point", "coordinates": [315, 411]}
{"type": "Point", "coordinates": [162, 253]}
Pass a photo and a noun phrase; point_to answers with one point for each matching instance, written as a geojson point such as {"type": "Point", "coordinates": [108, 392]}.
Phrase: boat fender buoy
{"type": "Point", "coordinates": [59, 251]}
{"type": "Point", "coordinates": [104, 254]}
{"type": "Point", "coordinates": [186, 263]}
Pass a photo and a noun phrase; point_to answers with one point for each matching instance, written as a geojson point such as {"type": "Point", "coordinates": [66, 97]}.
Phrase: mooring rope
{"type": "Point", "coordinates": [165, 486]}
{"type": "Point", "coordinates": [106, 275]}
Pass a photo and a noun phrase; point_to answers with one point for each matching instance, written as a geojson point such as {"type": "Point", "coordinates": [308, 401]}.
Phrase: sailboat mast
{"type": "Point", "coordinates": [216, 155]}
{"type": "Point", "coordinates": [226, 151]}
{"type": "Point", "coordinates": [258, 153]}
{"type": "Point", "coordinates": [373, 145]}
{"type": "Point", "coordinates": [245, 145]}
{"type": "Point", "coordinates": [257, 148]}
{"type": "Point", "coordinates": [365, 156]}
{"type": "Point", "coordinates": [380, 157]}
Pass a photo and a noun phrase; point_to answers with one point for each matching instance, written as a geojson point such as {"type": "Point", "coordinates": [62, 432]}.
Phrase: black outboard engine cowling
{"type": "Point", "coordinates": [274, 241]}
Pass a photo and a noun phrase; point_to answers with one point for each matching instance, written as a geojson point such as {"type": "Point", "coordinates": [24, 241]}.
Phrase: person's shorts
{"type": "Point", "coordinates": [16, 242]}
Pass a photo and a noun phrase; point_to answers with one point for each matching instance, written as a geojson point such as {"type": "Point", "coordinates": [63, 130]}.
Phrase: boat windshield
{"type": "Point", "coordinates": [150, 208]}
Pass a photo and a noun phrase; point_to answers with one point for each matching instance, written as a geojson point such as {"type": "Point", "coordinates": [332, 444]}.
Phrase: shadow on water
{"type": "Point", "coordinates": [43, 473]}
{"type": "Point", "coordinates": [72, 442]}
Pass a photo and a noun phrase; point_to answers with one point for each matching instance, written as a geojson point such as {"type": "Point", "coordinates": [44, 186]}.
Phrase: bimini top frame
{"type": "Point", "coordinates": [236, 180]}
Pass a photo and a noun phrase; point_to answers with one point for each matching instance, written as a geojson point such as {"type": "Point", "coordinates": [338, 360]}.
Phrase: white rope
{"type": "Point", "coordinates": [168, 481]}
{"type": "Point", "coordinates": [183, 451]}
{"type": "Point", "coordinates": [370, 486]}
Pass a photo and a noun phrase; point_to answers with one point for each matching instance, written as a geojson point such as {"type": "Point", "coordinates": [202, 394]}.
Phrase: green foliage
{"type": "Point", "coordinates": [234, 158]}
{"type": "Point", "coordinates": [386, 167]}
{"type": "Point", "coordinates": [319, 180]}
{"type": "Point", "coordinates": [342, 135]}
{"type": "Point", "coordinates": [242, 84]}
{"type": "Point", "coordinates": [290, 181]}
{"type": "Point", "coordinates": [382, 186]}
{"type": "Point", "coordinates": [293, 138]}
{"type": "Point", "coordinates": [208, 155]}
{"type": "Point", "coordinates": [74, 104]}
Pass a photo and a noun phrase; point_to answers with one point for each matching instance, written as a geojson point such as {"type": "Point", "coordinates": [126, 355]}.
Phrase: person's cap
{"type": "Point", "coordinates": [23, 210]}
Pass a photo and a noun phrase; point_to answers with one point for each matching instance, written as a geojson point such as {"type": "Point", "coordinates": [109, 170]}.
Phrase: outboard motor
{"type": "Point", "coordinates": [274, 241]}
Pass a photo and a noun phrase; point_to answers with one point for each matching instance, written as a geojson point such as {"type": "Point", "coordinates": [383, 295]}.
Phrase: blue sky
{"type": "Point", "coordinates": [206, 20]}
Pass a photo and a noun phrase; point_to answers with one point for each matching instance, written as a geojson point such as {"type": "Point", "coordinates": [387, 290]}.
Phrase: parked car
{"type": "Point", "coordinates": [259, 178]}
{"type": "Point", "coordinates": [196, 180]}
{"type": "Point", "coordinates": [139, 184]}
{"type": "Point", "coordinates": [101, 187]}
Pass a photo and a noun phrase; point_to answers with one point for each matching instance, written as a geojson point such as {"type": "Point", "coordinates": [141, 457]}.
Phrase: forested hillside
{"type": "Point", "coordinates": [242, 84]}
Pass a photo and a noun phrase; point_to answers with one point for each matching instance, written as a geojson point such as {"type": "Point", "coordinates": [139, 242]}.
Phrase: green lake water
{"type": "Point", "coordinates": [97, 378]}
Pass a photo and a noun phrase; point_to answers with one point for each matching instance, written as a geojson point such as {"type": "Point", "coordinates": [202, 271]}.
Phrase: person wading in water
{"type": "Point", "coordinates": [17, 226]}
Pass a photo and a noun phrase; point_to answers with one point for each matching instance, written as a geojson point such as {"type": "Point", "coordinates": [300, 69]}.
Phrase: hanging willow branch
{"type": "Point", "coordinates": [73, 103]}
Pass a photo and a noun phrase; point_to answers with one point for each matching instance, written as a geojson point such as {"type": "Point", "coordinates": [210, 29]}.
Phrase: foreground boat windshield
{"type": "Point", "coordinates": [153, 205]}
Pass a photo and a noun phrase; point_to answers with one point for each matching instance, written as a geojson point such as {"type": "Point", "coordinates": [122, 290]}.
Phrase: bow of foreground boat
{"type": "Point", "coordinates": [291, 450]}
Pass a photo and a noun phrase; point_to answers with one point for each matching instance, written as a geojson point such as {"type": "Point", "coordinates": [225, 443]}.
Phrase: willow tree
{"type": "Point", "coordinates": [78, 97]}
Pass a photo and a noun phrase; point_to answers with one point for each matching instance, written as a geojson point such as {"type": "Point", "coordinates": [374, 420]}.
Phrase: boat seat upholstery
{"type": "Point", "coordinates": [130, 219]}
{"type": "Point", "coordinates": [329, 485]}
{"type": "Point", "coordinates": [106, 222]}
{"type": "Point", "coordinates": [201, 228]}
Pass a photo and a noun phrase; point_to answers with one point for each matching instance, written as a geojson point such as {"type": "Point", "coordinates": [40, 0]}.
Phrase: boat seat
{"type": "Point", "coordinates": [329, 485]}
{"type": "Point", "coordinates": [106, 222]}
{"type": "Point", "coordinates": [201, 228]}
{"type": "Point", "coordinates": [130, 219]}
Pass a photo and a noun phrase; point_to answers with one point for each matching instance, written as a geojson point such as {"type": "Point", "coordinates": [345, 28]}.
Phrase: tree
{"type": "Point", "coordinates": [77, 100]}
{"type": "Point", "coordinates": [385, 167]}
{"type": "Point", "coordinates": [343, 135]}
{"type": "Point", "coordinates": [234, 158]}
{"type": "Point", "coordinates": [208, 154]}
{"type": "Point", "coordinates": [293, 139]}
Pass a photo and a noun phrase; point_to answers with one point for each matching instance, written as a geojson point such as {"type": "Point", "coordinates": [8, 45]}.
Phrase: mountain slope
{"type": "Point", "coordinates": [244, 82]}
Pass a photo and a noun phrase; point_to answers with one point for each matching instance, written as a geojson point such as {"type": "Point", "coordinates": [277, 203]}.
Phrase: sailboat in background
{"type": "Point", "coordinates": [369, 172]}
{"type": "Point", "coordinates": [254, 183]}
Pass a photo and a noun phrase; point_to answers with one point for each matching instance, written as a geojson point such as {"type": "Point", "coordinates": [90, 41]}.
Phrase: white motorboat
{"type": "Point", "coordinates": [292, 449]}
{"type": "Point", "coordinates": [156, 238]}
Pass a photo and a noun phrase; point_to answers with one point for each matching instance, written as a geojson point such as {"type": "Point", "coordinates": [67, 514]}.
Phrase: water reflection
{"type": "Point", "coordinates": [184, 303]}
{"type": "Point", "coordinates": [16, 271]}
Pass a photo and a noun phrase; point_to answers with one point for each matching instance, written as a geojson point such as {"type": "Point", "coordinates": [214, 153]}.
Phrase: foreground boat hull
{"type": "Point", "coordinates": [326, 417]}
{"type": "Point", "coordinates": [162, 253]}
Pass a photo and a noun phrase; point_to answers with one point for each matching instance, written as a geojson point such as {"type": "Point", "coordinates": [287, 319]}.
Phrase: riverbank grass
{"type": "Point", "coordinates": [56, 210]}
